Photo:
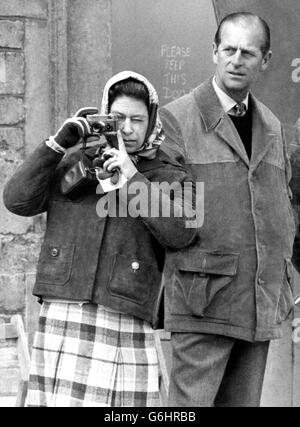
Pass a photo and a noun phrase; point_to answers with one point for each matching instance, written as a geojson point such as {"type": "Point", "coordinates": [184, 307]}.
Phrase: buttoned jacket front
{"type": "Point", "coordinates": [237, 279]}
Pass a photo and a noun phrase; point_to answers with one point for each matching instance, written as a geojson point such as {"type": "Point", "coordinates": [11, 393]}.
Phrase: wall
{"type": "Point", "coordinates": [170, 44]}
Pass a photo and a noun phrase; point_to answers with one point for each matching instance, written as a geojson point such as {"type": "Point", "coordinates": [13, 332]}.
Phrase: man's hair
{"type": "Point", "coordinates": [243, 17]}
{"type": "Point", "coordinates": [129, 87]}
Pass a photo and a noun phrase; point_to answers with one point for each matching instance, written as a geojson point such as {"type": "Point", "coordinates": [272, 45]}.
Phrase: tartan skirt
{"type": "Point", "coordinates": [86, 355]}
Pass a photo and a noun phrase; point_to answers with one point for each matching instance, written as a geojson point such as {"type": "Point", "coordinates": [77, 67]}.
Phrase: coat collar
{"type": "Point", "coordinates": [214, 117]}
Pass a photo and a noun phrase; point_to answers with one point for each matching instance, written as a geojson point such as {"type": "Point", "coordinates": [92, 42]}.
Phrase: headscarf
{"type": "Point", "coordinates": [155, 134]}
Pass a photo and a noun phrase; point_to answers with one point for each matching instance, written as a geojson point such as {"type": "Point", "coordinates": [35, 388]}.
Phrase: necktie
{"type": "Point", "coordinates": [239, 110]}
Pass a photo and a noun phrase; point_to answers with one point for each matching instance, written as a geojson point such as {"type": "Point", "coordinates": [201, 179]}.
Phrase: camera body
{"type": "Point", "coordinates": [106, 125]}
{"type": "Point", "coordinates": [82, 175]}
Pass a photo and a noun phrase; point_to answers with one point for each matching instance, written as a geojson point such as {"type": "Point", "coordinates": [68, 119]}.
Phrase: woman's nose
{"type": "Point", "coordinates": [126, 126]}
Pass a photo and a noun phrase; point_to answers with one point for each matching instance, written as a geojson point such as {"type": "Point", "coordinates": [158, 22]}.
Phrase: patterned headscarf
{"type": "Point", "coordinates": [155, 134]}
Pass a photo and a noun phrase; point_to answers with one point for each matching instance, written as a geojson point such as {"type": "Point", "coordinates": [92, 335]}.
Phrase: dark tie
{"type": "Point", "coordinates": [239, 110]}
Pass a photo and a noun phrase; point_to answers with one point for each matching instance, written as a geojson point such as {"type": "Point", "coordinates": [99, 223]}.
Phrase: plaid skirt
{"type": "Point", "coordinates": [86, 355]}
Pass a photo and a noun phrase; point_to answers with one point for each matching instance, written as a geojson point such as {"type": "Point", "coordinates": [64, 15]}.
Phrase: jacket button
{"type": "Point", "coordinates": [135, 266]}
{"type": "Point", "coordinates": [54, 252]}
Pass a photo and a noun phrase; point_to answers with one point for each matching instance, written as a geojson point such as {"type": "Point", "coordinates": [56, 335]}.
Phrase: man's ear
{"type": "Point", "coordinates": [266, 60]}
{"type": "Point", "coordinates": [215, 53]}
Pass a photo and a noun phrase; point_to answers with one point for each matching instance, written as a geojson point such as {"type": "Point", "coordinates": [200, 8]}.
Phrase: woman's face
{"type": "Point", "coordinates": [133, 119]}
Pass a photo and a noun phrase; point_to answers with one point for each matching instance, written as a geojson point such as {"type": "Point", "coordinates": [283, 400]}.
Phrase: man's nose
{"type": "Point", "coordinates": [127, 126]}
{"type": "Point", "coordinates": [236, 59]}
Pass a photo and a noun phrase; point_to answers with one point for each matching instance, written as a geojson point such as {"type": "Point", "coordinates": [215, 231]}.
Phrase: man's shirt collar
{"type": "Point", "coordinates": [226, 101]}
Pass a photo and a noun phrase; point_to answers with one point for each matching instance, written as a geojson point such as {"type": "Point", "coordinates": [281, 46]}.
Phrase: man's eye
{"type": "Point", "coordinates": [229, 50]}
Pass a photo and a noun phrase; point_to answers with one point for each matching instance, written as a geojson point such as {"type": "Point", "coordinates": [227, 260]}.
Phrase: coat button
{"type": "Point", "coordinates": [54, 252]}
{"type": "Point", "coordinates": [135, 266]}
{"type": "Point", "coordinates": [260, 282]}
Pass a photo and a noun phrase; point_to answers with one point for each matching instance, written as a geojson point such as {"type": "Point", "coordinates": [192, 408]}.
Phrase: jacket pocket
{"type": "Point", "coordinates": [200, 286]}
{"type": "Point", "coordinates": [55, 263]}
{"type": "Point", "coordinates": [132, 279]}
{"type": "Point", "coordinates": [286, 298]}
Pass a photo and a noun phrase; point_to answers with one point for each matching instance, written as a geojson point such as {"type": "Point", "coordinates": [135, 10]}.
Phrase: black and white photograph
{"type": "Point", "coordinates": [150, 206]}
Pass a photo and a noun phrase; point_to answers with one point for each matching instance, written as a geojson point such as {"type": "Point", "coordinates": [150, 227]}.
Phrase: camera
{"type": "Point", "coordinates": [82, 175]}
{"type": "Point", "coordinates": [106, 125]}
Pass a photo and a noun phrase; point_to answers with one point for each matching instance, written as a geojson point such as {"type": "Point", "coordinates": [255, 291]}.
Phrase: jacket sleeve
{"type": "Point", "coordinates": [167, 203]}
{"type": "Point", "coordinates": [27, 191]}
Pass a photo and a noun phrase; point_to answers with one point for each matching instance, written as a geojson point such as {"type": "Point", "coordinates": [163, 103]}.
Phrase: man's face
{"type": "Point", "coordinates": [239, 58]}
{"type": "Point", "coordinates": [133, 121]}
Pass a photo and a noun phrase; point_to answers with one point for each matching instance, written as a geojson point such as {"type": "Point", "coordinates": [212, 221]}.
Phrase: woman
{"type": "Point", "coordinates": [99, 279]}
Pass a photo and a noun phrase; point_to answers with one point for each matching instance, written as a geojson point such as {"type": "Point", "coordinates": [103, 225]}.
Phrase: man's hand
{"type": "Point", "coordinates": [75, 128]}
{"type": "Point", "coordinates": [119, 159]}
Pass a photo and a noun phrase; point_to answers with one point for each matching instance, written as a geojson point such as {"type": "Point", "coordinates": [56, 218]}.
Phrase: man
{"type": "Point", "coordinates": [231, 290]}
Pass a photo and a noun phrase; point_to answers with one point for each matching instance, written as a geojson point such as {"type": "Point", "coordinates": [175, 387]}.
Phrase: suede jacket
{"type": "Point", "coordinates": [114, 261]}
{"type": "Point", "coordinates": [237, 280]}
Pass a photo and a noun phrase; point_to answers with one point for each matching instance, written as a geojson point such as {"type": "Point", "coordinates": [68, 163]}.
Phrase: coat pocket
{"type": "Point", "coordinates": [200, 286]}
{"type": "Point", "coordinates": [55, 263]}
{"type": "Point", "coordinates": [286, 298]}
{"type": "Point", "coordinates": [132, 279]}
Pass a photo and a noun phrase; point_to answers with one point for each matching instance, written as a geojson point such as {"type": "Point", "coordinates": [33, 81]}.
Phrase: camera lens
{"type": "Point", "coordinates": [97, 128]}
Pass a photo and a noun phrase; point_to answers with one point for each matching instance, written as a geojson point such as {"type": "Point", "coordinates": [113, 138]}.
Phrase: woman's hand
{"type": "Point", "coordinates": [119, 159]}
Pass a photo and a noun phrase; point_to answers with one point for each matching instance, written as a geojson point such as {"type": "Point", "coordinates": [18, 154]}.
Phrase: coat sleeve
{"type": "Point", "coordinates": [166, 201]}
{"type": "Point", "coordinates": [27, 191]}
